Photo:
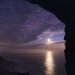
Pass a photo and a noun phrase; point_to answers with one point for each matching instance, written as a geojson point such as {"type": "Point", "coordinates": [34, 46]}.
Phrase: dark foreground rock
{"type": "Point", "coordinates": [11, 68]}
{"type": "Point", "coordinates": [12, 73]}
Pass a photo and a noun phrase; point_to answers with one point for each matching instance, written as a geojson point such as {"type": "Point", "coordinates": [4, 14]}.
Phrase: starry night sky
{"type": "Point", "coordinates": [23, 23]}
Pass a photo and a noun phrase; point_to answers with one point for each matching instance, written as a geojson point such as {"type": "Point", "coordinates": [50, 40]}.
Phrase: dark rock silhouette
{"type": "Point", "coordinates": [12, 73]}
{"type": "Point", "coordinates": [1, 59]}
{"type": "Point", "coordinates": [65, 11]}
{"type": "Point", "coordinates": [11, 68]}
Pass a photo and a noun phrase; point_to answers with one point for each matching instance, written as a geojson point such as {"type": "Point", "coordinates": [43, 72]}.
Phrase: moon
{"type": "Point", "coordinates": [49, 41]}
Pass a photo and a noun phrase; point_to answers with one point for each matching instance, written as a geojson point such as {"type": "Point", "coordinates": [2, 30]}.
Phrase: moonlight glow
{"type": "Point", "coordinates": [49, 41]}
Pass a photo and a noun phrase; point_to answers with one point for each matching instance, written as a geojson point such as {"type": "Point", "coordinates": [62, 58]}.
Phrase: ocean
{"type": "Point", "coordinates": [39, 62]}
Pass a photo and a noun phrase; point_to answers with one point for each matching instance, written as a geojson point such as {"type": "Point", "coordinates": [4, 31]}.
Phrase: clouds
{"type": "Point", "coordinates": [55, 45]}
{"type": "Point", "coordinates": [22, 21]}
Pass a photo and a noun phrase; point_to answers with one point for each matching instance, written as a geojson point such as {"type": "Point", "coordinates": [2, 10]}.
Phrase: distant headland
{"type": "Point", "coordinates": [11, 68]}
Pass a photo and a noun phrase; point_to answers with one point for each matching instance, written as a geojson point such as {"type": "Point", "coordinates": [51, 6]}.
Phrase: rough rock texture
{"type": "Point", "coordinates": [65, 11]}
{"type": "Point", "coordinates": [11, 68]}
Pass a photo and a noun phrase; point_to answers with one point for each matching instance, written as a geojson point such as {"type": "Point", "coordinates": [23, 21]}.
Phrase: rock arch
{"type": "Point", "coordinates": [65, 11]}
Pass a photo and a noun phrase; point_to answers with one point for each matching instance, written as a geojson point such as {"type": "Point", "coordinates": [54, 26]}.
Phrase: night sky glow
{"type": "Point", "coordinates": [23, 23]}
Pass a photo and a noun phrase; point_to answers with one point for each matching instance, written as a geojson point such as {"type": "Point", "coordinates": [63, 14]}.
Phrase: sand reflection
{"type": "Point", "coordinates": [49, 63]}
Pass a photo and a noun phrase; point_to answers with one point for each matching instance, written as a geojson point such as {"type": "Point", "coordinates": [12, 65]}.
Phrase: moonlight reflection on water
{"type": "Point", "coordinates": [49, 63]}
